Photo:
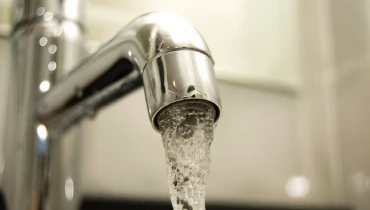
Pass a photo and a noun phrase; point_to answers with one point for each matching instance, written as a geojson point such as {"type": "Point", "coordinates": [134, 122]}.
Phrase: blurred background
{"type": "Point", "coordinates": [294, 78]}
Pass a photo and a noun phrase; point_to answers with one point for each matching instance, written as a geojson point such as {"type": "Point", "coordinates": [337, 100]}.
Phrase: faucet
{"type": "Point", "coordinates": [161, 51]}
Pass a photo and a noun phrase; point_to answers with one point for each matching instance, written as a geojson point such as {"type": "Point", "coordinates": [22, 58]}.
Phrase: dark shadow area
{"type": "Point", "coordinates": [118, 71]}
{"type": "Point", "coordinates": [91, 203]}
{"type": "Point", "coordinates": [2, 201]}
{"type": "Point", "coordinates": [95, 203]}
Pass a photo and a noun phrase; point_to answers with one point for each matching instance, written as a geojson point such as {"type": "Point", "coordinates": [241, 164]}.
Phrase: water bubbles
{"type": "Point", "coordinates": [187, 137]}
{"type": "Point", "coordinates": [161, 120]}
{"type": "Point", "coordinates": [179, 178]}
{"type": "Point", "coordinates": [191, 112]}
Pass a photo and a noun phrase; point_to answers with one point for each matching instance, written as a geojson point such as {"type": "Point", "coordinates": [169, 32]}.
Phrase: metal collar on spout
{"type": "Point", "coordinates": [165, 51]}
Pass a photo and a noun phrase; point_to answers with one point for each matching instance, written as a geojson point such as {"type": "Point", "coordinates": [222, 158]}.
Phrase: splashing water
{"type": "Point", "coordinates": [187, 133]}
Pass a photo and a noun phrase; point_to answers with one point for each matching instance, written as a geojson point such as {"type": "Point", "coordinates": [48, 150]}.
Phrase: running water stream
{"type": "Point", "coordinates": [187, 133]}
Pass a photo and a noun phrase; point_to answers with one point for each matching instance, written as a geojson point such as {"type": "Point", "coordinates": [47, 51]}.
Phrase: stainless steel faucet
{"type": "Point", "coordinates": [160, 51]}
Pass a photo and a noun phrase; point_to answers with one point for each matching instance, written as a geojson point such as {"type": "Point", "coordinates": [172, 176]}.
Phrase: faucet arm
{"type": "Point", "coordinates": [116, 68]}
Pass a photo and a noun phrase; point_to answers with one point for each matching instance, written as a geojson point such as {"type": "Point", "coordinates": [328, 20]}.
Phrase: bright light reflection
{"type": "Point", "coordinates": [57, 31]}
{"type": "Point", "coordinates": [42, 132]}
{"type": "Point", "coordinates": [44, 86]}
{"type": "Point", "coordinates": [52, 66]}
{"type": "Point", "coordinates": [71, 28]}
{"type": "Point", "coordinates": [52, 49]}
{"type": "Point", "coordinates": [43, 41]}
{"type": "Point", "coordinates": [297, 187]}
{"type": "Point", "coordinates": [48, 16]}
{"type": "Point", "coordinates": [40, 11]}
{"type": "Point", "coordinates": [69, 189]}
{"type": "Point", "coordinates": [129, 53]}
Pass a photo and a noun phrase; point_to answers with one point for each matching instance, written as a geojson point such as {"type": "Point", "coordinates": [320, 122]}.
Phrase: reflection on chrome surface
{"type": "Point", "coordinates": [40, 11]}
{"type": "Point", "coordinates": [52, 65]}
{"type": "Point", "coordinates": [48, 16]}
{"type": "Point", "coordinates": [42, 132]}
{"type": "Point", "coordinates": [69, 189]}
{"type": "Point", "coordinates": [44, 86]}
{"type": "Point", "coordinates": [52, 49]}
{"type": "Point", "coordinates": [43, 41]}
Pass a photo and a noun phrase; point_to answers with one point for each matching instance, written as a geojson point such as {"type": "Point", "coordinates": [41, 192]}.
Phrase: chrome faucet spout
{"type": "Point", "coordinates": [161, 50]}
